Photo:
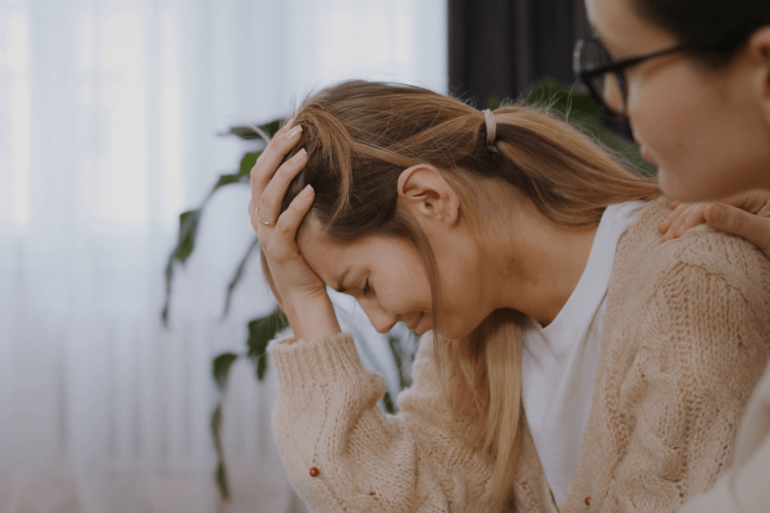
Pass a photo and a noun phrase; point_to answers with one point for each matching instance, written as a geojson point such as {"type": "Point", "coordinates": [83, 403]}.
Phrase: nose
{"type": "Point", "coordinates": [382, 321]}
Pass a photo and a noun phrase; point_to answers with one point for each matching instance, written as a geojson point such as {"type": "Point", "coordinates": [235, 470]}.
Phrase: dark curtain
{"type": "Point", "coordinates": [500, 48]}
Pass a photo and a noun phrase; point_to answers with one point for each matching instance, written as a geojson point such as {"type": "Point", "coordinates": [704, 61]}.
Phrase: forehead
{"type": "Point", "coordinates": [617, 23]}
{"type": "Point", "coordinates": [604, 12]}
{"type": "Point", "coordinates": [330, 259]}
{"type": "Point", "coordinates": [327, 257]}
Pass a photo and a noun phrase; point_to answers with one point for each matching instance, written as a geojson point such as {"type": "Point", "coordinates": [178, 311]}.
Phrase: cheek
{"type": "Point", "coordinates": [403, 297]}
{"type": "Point", "coordinates": [658, 114]}
{"type": "Point", "coordinates": [403, 288]}
{"type": "Point", "coordinates": [678, 119]}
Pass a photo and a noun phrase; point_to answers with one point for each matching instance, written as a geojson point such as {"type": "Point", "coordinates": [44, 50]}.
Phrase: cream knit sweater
{"type": "Point", "coordinates": [686, 338]}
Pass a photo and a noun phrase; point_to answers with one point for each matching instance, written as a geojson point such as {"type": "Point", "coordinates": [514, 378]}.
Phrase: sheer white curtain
{"type": "Point", "coordinates": [109, 115]}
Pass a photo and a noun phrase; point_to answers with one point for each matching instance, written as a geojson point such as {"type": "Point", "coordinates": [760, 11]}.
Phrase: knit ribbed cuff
{"type": "Point", "coordinates": [329, 361]}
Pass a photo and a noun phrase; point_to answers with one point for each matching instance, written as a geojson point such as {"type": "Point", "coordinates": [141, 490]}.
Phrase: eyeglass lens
{"type": "Point", "coordinates": [608, 86]}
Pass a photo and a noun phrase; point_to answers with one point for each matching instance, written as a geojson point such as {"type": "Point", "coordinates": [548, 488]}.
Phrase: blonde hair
{"type": "Point", "coordinates": [361, 135]}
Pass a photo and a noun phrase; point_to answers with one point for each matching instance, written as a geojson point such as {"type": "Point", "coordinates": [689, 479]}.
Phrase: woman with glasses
{"type": "Point", "coordinates": [693, 76]}
{"type": "Point", "coordinates": [569, 360]}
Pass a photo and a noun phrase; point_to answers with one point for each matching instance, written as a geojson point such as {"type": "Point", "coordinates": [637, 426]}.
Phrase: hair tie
{"type": "Point", "coordinates": [491, 123]}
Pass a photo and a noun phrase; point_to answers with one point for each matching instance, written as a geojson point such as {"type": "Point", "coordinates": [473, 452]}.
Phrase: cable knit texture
{"type": "Point", "coordinates": [686, 338]}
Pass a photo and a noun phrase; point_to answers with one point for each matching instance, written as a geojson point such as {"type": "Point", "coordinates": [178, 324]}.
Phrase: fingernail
{"type": "Point", "coordinates": [308, 189]}
{"type": "Point", "coordinates": [717, 213]}
{"type": "Point", "coordinates": [294, 132]}
{"type": "Point", "coordinates": [302, 152]}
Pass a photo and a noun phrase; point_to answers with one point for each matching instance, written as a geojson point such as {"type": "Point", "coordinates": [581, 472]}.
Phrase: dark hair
{"type": "Point", "coordinates": [715, 29]}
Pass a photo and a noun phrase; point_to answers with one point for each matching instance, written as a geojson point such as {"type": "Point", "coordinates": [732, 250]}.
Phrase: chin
{"type": "Point", "coordinates": [669, 187]}
{"type": "Point", "coordinates": [682, 190]}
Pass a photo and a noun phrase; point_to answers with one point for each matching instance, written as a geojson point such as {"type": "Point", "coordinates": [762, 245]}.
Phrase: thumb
{"type": "Point", "coordinates": [738, 222]}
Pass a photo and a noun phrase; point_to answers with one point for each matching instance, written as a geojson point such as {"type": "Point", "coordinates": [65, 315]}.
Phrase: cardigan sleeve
{"type": "Point", "coordinates": [327, 419]}
{"type": "Point", "coordinates": [744, 488]}
{"type": "Point", "coordinates": [676, 411]}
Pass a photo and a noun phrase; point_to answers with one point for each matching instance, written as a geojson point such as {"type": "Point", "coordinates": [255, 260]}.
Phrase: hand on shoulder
{"type": "Point", "coordinates": [746, 215]}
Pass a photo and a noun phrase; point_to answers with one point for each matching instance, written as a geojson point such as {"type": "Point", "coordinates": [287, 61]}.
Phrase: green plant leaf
{"type": "Point", "coordinates": [575, 107]}
{"type": "Point", "coordinates": [397, 352]}
{"type": "Point", "coordinates": [227, 180]}
{"type": "Point", "coordinates": [586, 115]}
{"type": "Point", "coordinates": [220, 369]}
{"type": "Point", "coordinates": [492, 102]}
{"type": "Point", "coordinates": [188, 221]}
{"type": "Point", "coordinates": [388, 404]}
{"type": "Point", "coordinates": [220, 474]}
{"type": "Point", "coordinates": [247, 162]}
{"type": "Point", "coordinates": [237, 276]}
{"type": "Point", "coordinates": [169, 277]}
{"type": "Point", "coordinates": [273, 126]}
{"type": "Point", "coordinates": [222, 481]}
{"type": "Point", "coordinates": [403, 355]}
{"type": "Point", "coordinates": [216, 426]}
{"type": "Point", "coordinates": [261, 332]}
{"type": "Point", "coordinates": [188, 229]}
{"type": "Point", "coordinates": [261, 367]}
{"type": "Point", "coordinates": [244, 132]}
{"type": "Point", "coordinates": [248, 133]}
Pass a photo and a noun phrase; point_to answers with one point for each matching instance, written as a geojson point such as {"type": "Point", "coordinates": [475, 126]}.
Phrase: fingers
{"type": "Point", "coordinates": [753, 201]}
{"type": "Point", "coordinates": [270, 159]}
{"type": "Point", "coordinates": [282, 245]}
{"type": "Point", "coordinates": [675, 213]}
{"type": "Point", "coordinates": [686, 216]}
{"type": "Point", "coordinates": [692, 217]}
{"type": "Point", "coordinates": [746, 215]}
{"type": "Point", "coordinates": [272, 196]}
{"type": "Point", "coordinates": [733, 220]}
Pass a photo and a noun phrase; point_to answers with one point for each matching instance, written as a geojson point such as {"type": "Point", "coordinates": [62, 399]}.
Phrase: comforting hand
{"type": "Point", "coordinates": [746, 215]}
{"type": "Point", "coordinates": [300, 290]}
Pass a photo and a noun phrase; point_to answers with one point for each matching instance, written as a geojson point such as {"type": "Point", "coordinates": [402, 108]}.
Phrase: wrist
{"type": "Point", "coordinates": [311, 316]}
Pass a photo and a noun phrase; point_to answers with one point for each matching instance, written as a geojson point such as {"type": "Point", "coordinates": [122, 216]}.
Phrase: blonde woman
{"type": "Point", "coordinates": [570, 361]}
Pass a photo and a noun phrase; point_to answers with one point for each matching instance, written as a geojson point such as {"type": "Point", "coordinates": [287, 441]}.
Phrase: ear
{"type": "Point", "coordinates": [759, 55]}
{"type": "Point", "coordinates": [428, 195]}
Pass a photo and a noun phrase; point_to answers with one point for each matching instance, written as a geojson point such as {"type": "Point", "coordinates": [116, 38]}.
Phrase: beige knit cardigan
{"type": "Point", "coordinates": [744, 488]}
{"type": "Point", "coordinates": [686, 337]}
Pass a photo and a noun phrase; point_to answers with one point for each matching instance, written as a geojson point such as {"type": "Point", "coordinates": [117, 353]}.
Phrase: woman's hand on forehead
{"type": "Point", "coordinates": [301, 292]}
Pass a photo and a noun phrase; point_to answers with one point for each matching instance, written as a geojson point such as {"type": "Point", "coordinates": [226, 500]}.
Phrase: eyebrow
{"type": "Point", "coordinates": [340, 287]}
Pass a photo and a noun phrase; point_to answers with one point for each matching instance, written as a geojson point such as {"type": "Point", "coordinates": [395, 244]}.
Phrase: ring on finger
{"type": "Point", "coordinates": [266, 223]}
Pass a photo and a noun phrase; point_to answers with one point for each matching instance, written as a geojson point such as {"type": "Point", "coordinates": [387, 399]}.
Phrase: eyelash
{"type": "Point", "coordinates": [367, 288]}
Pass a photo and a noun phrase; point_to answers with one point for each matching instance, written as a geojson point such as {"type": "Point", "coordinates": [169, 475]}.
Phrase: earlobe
{"type": "Point", "coordinates": [428, 195]}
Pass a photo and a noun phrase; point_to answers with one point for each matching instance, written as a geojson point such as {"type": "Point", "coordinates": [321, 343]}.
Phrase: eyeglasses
{"type": "Point", "coordinates": [605, 78]}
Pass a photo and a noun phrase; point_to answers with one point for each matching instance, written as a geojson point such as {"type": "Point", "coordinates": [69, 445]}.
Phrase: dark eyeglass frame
{"type": "Point", "coordinates": [617, 68]}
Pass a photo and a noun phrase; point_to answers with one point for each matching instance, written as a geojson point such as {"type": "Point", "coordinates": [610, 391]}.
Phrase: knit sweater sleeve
{"type": "Point", "coordinates": [327, 419]}
{"type": "Point", "coordinates": [673, 415]}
